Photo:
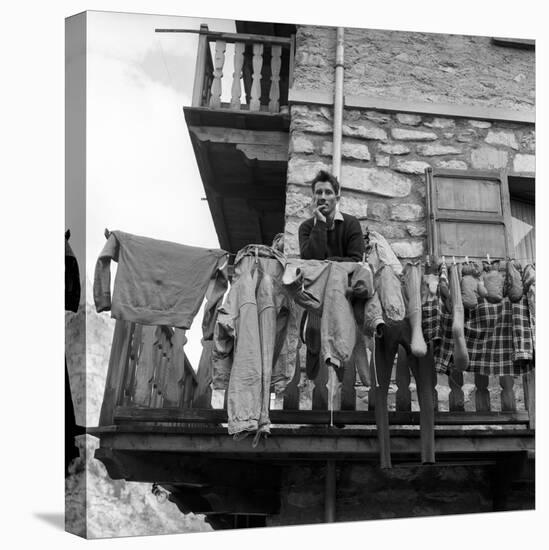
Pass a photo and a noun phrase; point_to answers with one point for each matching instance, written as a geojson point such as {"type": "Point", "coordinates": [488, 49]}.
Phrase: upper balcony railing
{"type": "Point", "coordinates": [150, 380]}
{"type": "Point", "coordinates": [260, 68]}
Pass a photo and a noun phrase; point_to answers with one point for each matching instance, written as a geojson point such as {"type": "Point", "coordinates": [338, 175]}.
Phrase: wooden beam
{"type": "Point", "coordinates": [134, 414]}
{"type": "Point", "coordinates": [478, 444]}
{"type": "Point", "coordinates": [232, 37]}
{"type": "Point", "coordinates": [416, 107]}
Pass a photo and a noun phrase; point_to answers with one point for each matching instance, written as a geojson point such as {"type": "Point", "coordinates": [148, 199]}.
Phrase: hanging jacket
{"type": "Point", "coordinates": [248, 338]}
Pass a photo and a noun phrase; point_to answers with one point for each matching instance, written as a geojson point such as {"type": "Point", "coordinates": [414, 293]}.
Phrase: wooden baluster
{"type": "Point", "coordinates": [189, 386]}
{"type": "Point", "coordinates": [145, 368]}
{"type": "Point", "coordinates": [274, 93]}
{"type": "Point", "coordinates": [291, 393]}
{"type": "Point", "coordinates": [176, 370]}
{"type": "Point", "coordinates": [348, 392]}
{"type": "Point", "coordinates": [508, 402]}
{"type": "Point", "coordinates": [219, 61]}
{"type": "Point", "coordinates": [403, 394]}
{"type": "Point", "coordinates": [482, 395]}
{"type": "Point", "coordinates": [158, 368]}
{"type": "Point", "coordinates": [247, 73]}
{"type": "Point", "coordinates": [203, 395]}
{"type": "Point", "coordinates": [434, 383]}
{"type": "Point", "coordinates": [129, 381]}
{"type": "Point", "coordinates": [238, 62]}
{"type": "Point", "coordinates": [118, 362]}
{"type": "Point", "coordinates": [208, 79]}
{"type": "Point", "coordinates": [256, 78]}
{"type": "Point", "coordinates": [165, 363]}
{"type": "Point", "coordinates": [320, 391]}
{"type": "Point", "coordinates": [200, 68]}
{"type": "Point", "coordinates": [456, 397]}
{"type": "Point", "coordinates": [529, 385]}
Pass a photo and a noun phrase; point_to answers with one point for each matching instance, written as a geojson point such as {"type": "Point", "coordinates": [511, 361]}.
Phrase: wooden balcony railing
{"type": "Point", "coordinates": [260, 66]}
{"type": "Point", "coordinates": [150, 380]}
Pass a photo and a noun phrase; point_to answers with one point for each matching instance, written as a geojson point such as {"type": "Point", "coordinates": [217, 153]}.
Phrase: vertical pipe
{"type": "Point", "coordinates": [338, 104]}
{"type": "Point", "coordinates": [330, 492]}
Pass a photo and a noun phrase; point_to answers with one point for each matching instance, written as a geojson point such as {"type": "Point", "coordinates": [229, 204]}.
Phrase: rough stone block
{"type": "Point", "coordinates": [377, 181]}
{"type": "Point", "coordinates": [305, 119]}
{"type": "Point", "coordinates": [301, 171]}
{"type": "Point", "coordinates": [480, 123]}
{"type": "Point", "coordinates": [378, 117]}
{"type": "Point", "coordinates": [418, 230]}
{"type": "Point", "coordinates": [393, 148]}
{"type": "Point", "coordinates": [488, 158]}
{"type": "Point", "coordinates": [364, 130]}
{"type": "Point", "coordinates": [301, 144]}
{"type": "Point", "coordinates": [378, 211]}
{"type": "Point", "coordinates": [452, 164]}
{"type": "Point", "coordinates": [412, 135]}
{"type": "Point", "coordinates": [408, 249]}
{"type": "Point", "coordinates": [440, 123]}
{"type": "Point", "coordinates": [437, 149]}
{"type": "Point", "coordinates": [388, 230]}
{"type": "Point", "coordinates": [291, 241]}
{"type": "Point", "coordinates": [352, 151]}
{"type": "Point", "coordinates": [465, 137]}
{"type": "Point", "coordinates": [407, 212]}
{"type": "Point", "coordinates": [382, 160]}
{"type": "Point", "coordinates": [411, 166]}
{"type": "Point", "coordinates": [297, 203]}
{"type": "Point", "coordinates": [524, 163]}
{"type": "Point", "coordinates": [408, 119]}
{"type": "Point", "coordinates": [502, 137]}
{"type": "Point", "coordinates": [528, 141]}
{"type": "Point", "coordinates": [357, 207]}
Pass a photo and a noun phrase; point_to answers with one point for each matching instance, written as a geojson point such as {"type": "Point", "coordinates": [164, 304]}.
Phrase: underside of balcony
{"type": "Point", "coordinates": [242, 158]}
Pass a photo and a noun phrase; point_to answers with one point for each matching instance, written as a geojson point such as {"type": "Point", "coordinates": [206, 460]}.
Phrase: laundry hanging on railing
{"type": "Point", "coordinates": [248, 338]}
{"type": "Point", "coordinates": [158, 282]}
{"type": "Point", "coordinates": [498, 332]}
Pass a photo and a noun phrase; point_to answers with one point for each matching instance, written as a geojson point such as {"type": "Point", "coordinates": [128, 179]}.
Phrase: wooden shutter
{"type": "Point", "coordinates": [469, 214]}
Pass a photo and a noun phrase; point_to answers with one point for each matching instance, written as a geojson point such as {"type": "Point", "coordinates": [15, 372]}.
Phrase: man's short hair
{"type": "Point", "coordinates": [323, 175]}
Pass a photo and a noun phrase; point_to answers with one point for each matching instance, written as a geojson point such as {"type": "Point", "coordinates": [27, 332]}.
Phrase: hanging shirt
{"type": "Point", "coordinates": [157, 282]}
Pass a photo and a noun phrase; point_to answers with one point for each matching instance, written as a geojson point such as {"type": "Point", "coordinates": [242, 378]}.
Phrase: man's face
{"type": "Point", "coordinates": [325, 198]}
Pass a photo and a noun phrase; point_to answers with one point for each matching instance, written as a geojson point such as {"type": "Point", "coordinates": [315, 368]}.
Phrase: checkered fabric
{"type": "Point", "coordinates": [498, 337]}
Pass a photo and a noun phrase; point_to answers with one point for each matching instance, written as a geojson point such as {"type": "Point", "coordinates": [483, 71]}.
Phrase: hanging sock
{"type": "Point", "coordinates": [494, 281]}
{"type": "Point", "coordinates": [472, 287]}
{"type": "Point", "coordinates": [513, 281]}
{"type": "Point", "coordinates": [444, 286]}
{"type": "Point", "coordinates": [412, 290]}
{"type": "Point", "coordinates": [461, 357]}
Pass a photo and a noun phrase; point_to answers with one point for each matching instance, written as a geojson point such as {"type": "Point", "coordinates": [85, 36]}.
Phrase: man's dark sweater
{"type": "Point", "coordinates": [343, 243]}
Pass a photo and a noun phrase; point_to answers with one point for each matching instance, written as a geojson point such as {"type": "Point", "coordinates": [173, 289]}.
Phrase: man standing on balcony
{"type": "Point", "coordinates": [330, 234]}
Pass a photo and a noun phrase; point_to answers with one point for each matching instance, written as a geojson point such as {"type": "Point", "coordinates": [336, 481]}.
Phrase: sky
{"type": "Point", "coordinates": [142, 175]}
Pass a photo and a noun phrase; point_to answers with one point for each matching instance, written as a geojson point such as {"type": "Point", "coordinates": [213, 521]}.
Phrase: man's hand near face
{"type": "Point", "coordinates": [318, 213]}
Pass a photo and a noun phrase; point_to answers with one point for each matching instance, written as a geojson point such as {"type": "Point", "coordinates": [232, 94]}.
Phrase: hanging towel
{"type": "Point", "coordinates": [157, 282]}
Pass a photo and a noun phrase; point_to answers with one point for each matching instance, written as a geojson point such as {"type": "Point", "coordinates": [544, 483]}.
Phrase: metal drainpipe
{"type": "Point", "coordinates": [330, 481]}
{"type": "Point", "coordinates": [338, 104]}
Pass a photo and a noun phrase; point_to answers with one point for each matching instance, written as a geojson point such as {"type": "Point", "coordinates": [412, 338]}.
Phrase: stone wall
{"type": "Point", "coordinates": [426, 67]}
{"type": "Point", "coordinates": [384, 156]}
{"type": "Point", "coordinates": [364, 491]}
